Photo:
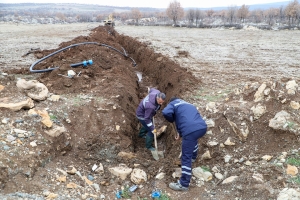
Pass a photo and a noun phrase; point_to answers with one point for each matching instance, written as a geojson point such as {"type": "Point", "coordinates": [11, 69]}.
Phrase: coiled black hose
{"type": "Point", "coordinates": [74, 45]}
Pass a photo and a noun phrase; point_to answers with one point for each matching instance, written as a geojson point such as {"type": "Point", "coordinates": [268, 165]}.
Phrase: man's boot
{"type": "Point", "coordinates": [149, 141]}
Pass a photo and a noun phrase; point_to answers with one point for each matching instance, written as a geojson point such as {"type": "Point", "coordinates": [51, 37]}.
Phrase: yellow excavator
{"type": "Point", "coordinates": [109, 21]}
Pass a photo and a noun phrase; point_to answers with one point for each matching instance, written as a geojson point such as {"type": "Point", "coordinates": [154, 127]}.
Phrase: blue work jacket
{"type": "Point", "coordinates": [185, 115]}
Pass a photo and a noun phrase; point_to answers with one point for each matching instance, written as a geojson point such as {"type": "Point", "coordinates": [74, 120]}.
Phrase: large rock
{"type": "Point", "coordinates": [291, 86]}
{"type": "Point", "coordinates": [18, 106]}
{"type": "Point", "coordinates": [121, 171]}
{"type": "Point", "coordinates": [258, 111]}
{"type": "Point", "coordinates": [138, 176]}
{"type": "Point", "coordinates": [33, 89]}
{"type": "Point", "coordinates": [259, 95]}
{"type": "Point", "coordinates": [289, 194]}
{"type": "Point", "coordinates": [201, 174]}
{"type": "Point", "coordinates": [56, 131]}
{"type": "Point", "coordinates": [284, 121]}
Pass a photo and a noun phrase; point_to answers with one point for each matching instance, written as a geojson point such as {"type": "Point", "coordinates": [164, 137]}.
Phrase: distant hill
{"type": "Point", "coordinates": [252, 7]}
{"type": "Point", "coordinates": [71, 8]}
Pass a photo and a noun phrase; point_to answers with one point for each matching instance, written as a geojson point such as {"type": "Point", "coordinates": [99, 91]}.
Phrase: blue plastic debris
{"type": "Point", "coordinates": [155, 194]}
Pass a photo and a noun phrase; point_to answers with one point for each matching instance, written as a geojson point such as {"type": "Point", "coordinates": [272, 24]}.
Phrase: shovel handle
{"type": "Point", "coordinates": [155, 141]}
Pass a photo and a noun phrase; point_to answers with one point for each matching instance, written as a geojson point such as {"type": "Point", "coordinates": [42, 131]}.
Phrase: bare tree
{"type": "Point", "coordinates": [292, 11]}
{"type": "Point", "coordinates": [281, 14]}
{"type": "Point", "coordinates": [199, 15]}
{"type": "Point", "coordinates": [136, 15]}
{"type": "Point", "coordinates": [243, 12]}
{"type": "Point", "coordinates": [190, 15]}
{"type": "Point", "coordinates": [270, 14]}
{"type": "Point", "coordinates": [209, 13]}
{"type": "Point", "coordinates": [231, 12]}
{"type": "Point", "coordinates": [175, 11]}
{"type": "Point", "coordinates": [257, 15]}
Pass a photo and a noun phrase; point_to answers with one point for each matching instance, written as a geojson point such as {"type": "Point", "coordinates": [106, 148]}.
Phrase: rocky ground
{"type": "Point", "coordinates": [76, 138]}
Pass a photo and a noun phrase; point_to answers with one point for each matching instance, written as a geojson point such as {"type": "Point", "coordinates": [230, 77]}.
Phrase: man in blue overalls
{"type": "Point", "coordinates": [190, 127]}
{"type": "Point", "coordinates": [145, 112]}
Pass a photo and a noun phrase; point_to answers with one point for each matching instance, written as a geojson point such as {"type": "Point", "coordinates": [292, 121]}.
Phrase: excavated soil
{"type": "Point", "coordinates": [97, 108]}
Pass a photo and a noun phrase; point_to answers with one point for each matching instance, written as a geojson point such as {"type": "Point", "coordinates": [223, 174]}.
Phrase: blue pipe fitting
{"type": "Point", "coordinates": [84, 63]}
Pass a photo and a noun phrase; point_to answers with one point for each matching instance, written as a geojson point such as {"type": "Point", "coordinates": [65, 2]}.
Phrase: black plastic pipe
{"type": "Point", "coordinates": [74, 45]}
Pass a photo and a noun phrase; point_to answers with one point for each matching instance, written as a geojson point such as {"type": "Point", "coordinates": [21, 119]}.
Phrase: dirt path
{"type": "Point", "coordinates": [227, 56]}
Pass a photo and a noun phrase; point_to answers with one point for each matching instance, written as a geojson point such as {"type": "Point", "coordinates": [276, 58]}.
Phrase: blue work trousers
{"type": "Point", "coordinates": [189, 151]}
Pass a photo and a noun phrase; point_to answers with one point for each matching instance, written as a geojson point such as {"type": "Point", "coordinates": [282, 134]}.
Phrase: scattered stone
{"type": "Point", "coordinates": [228, 142]}
{"type": "Point", "coordinates": [138, 176]}
{"type": "Point", "coordinates": [27, 104]}
{"type": "Point", "coordinates": [177, 173]}
{"type": "Point", "coordinates": [160, 176]}
{"type": "Point", "coordinates": [227, 158]}
{"type": "Point", "coordinates": [202, 174]}
{"type": "Point", "coordinates": [33, 89]}
{"type": "Point", "coordinates": [1, 87]}
{"type": "Point", "coordinates": [229, 179]}
{"type": "Point", "coordinates": [267, 91]}
{"type": "Point", "coordinates": [56, 131]}
{"type": "Point", "coordinates": [5, 147]}
{"type": "Point", "coordinates": [219, 176]}
{"type": "Point", "coordinates": [45, 118]}
{"type": "Point", "coordinates": [5, 121]}
{"type": "Point", "coordinates": [258, 111]}
{"type": "Point", "coordinates": [72, 185]}
{"type": "Point", "coordinates": [289, 194]}
{"type": "Point", "coordinates": [295, 105]}
{"type": "Point", "coordinates": [100, 169]}
{"type": "Point", "coordinates": [258, 177]}
{"type": "Point", "coordinates": [33, 144]}
{"type": "Point", "coordinates": [259, 95]}
{"type": "Point", "coordinates": [96, 187]}
{"type": "Point", "coordinates": [210, 123]}
{"type": "Point", "coordinates": [52, 196]}
{"type": "Point", "coordinates": [283, 121]}
{"type": "Point", "coordinates": [267, 157]}
{"type": "Point", "coordinates": [54, 98]}
{"type": "Point", "coordinates": [87, 180]}
{"type": "Point", "coordinates": [121, 171]}
{"type": "Point", "coordinates": [291, 170]}
{"type": "Point", "coordinates": [211, 107]}
{"type": "Point", "coordinates": [62, 179]}
{"type": "Point", "coordinates": [206, 155]}
{"type": "Point", "coordinates": [248, 163]}
{"type": "Point", "coordinates": [10, 138]}
{"type": "Point", "coordinates": [215, 169]}
{"type": "Point", "coordinates": [212, 143]}
{"type": "Point", "coordinates": [291, 86]}
{"type": "Point", "coordinates": [72, 171]}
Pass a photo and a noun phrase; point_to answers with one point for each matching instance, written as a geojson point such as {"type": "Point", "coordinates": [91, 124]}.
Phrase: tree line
{"type": "Point", "coordinates": [176, 15]}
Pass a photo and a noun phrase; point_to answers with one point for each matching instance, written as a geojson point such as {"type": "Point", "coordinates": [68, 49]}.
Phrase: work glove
{"type": "Point", "coordinates": [154, 132]}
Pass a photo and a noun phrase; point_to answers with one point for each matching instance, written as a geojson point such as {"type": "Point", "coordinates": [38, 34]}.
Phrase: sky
{"type": "Point", "coordinates": [154, 3]}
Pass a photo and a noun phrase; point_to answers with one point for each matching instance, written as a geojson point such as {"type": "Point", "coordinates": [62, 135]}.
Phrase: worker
{"type": "Point", "coordinates": [145, 112]}
{"type": "Point", "coordinates": [190, 127]}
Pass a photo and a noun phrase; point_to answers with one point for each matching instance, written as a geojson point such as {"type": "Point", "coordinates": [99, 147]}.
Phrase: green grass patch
{"type": "Point", "coordinates": [205, 168]}
{"type": "Point", "coordinates": [52, 117]}
{"type": "Point", "coordinates": [295, 180]}
{"type": "Point", "coordinates": [126, 193]}
{"type": "Point", "coordinates": [295, 161]}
